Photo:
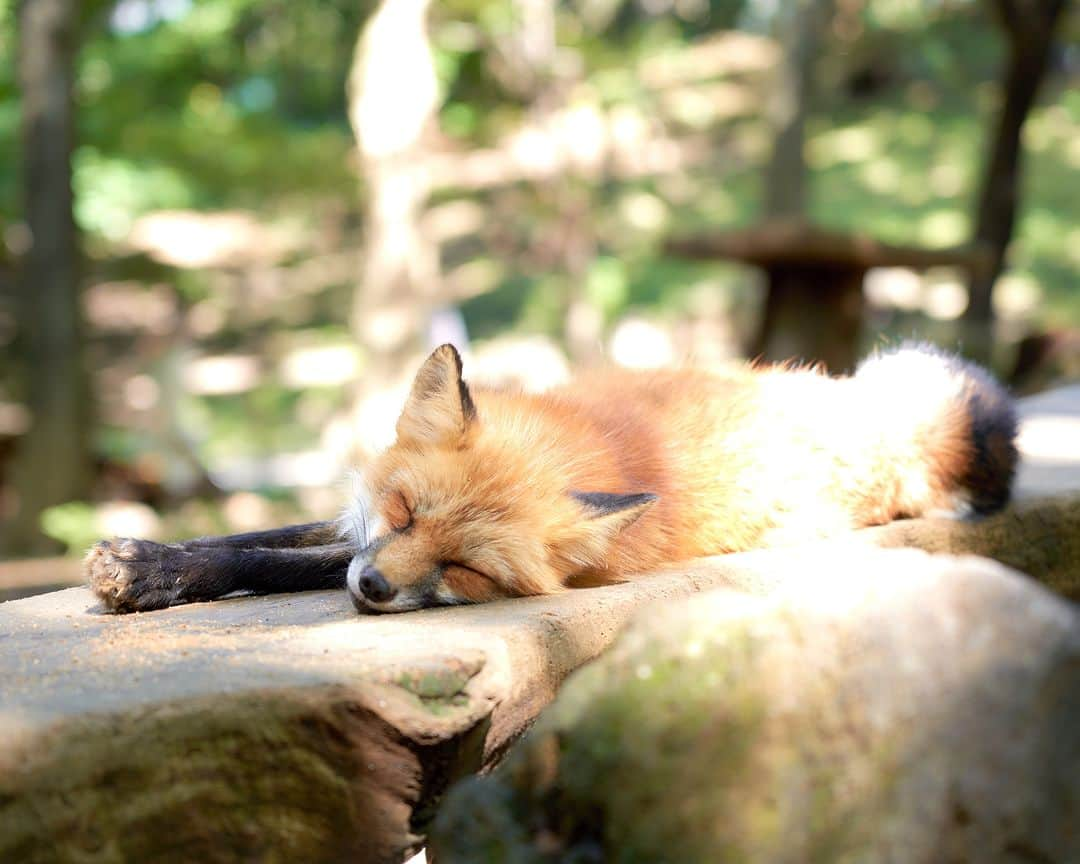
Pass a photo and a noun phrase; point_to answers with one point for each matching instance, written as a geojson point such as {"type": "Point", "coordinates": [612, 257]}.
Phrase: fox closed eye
{"type": "Point", "coordinates": [449, 564]}
{"type": "Point", "coordinates": [469, 584]}
{"type": "Point", "coordinates": [398, 513]}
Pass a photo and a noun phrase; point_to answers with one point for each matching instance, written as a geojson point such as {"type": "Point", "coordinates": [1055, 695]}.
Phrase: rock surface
{"type": "Point", "coordinates": [284, 728]}
{"type": "Point", "coordinates": [288, 728]}
{"type": "Point", "coordinates": [1037, 536]}
{"type": "Point", "coordinates": [901, 708]}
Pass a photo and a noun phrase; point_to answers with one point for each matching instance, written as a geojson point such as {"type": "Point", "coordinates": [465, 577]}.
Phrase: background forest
{"type": "Point", "coordinates": [279, 204]}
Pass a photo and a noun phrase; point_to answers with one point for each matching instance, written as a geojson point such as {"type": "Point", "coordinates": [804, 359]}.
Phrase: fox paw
{"type": "Point", "coordinates": [132, 575]}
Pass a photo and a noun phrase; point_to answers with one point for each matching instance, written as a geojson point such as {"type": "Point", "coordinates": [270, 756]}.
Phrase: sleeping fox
{"type": "Point", "coordinates": [492, 493]}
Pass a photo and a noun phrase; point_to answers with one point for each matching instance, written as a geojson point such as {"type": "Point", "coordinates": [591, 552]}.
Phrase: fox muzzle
{"type": "Point", "coordinates": [373, 585]}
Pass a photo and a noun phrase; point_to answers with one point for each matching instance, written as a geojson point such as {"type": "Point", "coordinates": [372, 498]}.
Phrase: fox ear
{"type": "Point", "coordinates": [439, 409]}
{"type": "Point", "coordinates": [606, 514]}
{"type": "Point", "coordinates": [613, 507]}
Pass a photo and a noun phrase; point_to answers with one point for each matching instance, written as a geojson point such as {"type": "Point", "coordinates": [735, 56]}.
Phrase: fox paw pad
{"type": "Point", "coordinates": [130, 575]}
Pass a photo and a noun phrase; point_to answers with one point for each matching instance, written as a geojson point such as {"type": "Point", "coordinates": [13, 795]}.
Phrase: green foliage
{"type": "Point", "coordinates": [226, 105]}
{"type": "Point", "coordinates": [241, 103]}
{"type": "Point", "coordinates": [74, 524]}
{"type": "Point", "coordinates": [111, 191]}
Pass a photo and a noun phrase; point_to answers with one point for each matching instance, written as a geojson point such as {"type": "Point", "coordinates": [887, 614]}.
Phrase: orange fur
{"type": "Point", "coordinates": [475, 499]}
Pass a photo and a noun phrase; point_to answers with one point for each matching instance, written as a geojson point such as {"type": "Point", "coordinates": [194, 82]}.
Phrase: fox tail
{"type": "Point", "coordinates": [946, 424]}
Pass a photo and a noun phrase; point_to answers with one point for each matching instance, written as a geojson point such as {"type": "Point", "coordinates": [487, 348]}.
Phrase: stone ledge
{"type": "Point", "coordinates": [218, 730]}
{"type": "Point", "coordinates": [899, 707]}
{"type": "Point", "coordinates": [287, 727]}
{"type": "Point", "coordinates": [213, 731]}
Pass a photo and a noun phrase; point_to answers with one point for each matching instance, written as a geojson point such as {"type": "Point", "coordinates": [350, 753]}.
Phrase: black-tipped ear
{"type": "Point", "coordinates": [601, 504]}
{"type": "Point", "coordinates": [605, 515]}
{"type": "Point", "coordinates": [439, 409]}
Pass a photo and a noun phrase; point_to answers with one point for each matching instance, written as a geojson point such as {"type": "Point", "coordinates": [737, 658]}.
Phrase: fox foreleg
{"type": "Point", "coordinates": [139, 575]}
{"type": "Point", "coordinates": [288, 537]}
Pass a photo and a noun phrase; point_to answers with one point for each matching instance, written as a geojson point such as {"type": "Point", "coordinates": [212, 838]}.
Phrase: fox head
{"type": "Point", "coordinates": [463, 510]}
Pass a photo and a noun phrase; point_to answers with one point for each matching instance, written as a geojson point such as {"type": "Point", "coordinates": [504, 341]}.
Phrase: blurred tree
{"type": "Point", "coordinates": [1029, 27]}
{"type": "Point", "coordinates": [799, 27]}
{"type": "Point", "coordinates": [53, 462]}
{"type": "Point", "coordinates": [393, 100]}
{"type": "Point", "coordinates": [813, 307]}
{"type": "Point", "coordinates": [526, 54]}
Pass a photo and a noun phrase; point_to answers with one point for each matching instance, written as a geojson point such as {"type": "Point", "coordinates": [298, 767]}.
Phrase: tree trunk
{"type": "Point", "coordinates": [583, 322]}
{"type": "Point", "coordinates": [1029, 27]}
{"type": "Point", "coordinates": [799, 31]}
{"type": "Point", "coordinates": [53, 464]}
{"type": "Point", "coordinates": [811, 314]}
{"type": "Point", "coordinates": [393, 102]}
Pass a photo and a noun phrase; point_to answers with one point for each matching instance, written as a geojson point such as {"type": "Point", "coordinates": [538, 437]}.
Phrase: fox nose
{"type": "Point", "coordinates": [373, 585]}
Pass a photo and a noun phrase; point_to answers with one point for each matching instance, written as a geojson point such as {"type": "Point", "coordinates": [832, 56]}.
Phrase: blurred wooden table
{"type": "Point", "coordinates": [814, 308]}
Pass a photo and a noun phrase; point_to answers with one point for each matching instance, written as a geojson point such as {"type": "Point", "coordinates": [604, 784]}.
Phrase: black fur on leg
{"type": "Point", "coordinates": [140, 575]}
{"type": "Point", "coordinates": [289, 537]}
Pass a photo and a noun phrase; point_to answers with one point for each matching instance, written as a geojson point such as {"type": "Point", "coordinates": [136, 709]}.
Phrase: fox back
{"type": "Point", "coordinates": [495, 493]}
